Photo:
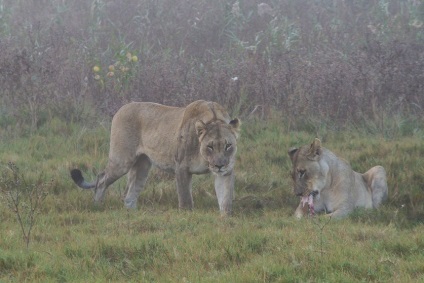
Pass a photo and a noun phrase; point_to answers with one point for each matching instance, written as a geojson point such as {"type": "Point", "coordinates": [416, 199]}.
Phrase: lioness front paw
{"type": "Point", "coordinates": [132, 204]}
{"type": "Point", "coordinates": [298, 214]}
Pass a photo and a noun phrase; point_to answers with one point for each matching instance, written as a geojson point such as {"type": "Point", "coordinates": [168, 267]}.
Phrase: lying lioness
{"type": "Point", "coordinates": [196, 139]}
{"type": "Point", "coordinates": [327, 183]}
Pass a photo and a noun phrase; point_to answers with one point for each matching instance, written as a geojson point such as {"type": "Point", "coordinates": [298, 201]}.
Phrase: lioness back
{"type": "Point", "coordinates": [144, 127]}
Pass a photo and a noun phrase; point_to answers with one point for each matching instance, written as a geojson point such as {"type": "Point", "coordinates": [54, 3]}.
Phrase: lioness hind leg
{"type": "Point", "coordinates": [137, 177]}
{"type": "Point", "coordinates": [114, 170]}
{"type": "Point", "coordinates": [104, 180]}
{"type": "Point", "coordinates": [377, 181]}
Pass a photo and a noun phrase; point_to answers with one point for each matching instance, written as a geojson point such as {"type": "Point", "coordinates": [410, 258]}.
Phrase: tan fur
{"type": "Point", "coordinates": [339, 189]}
{"type": "Point", "coordinates": [196, 139]}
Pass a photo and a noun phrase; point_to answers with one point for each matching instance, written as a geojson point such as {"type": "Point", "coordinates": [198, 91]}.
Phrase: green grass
{"type": "Point", "coordinates": [75, 241]}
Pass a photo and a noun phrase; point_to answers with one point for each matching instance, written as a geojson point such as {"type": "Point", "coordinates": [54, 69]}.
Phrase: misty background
{"type": "Point", "coordinates": [358, 62]}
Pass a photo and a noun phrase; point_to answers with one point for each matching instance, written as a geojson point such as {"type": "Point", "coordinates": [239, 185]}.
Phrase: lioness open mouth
{"type": "Point", "coordinates": [309, 199]}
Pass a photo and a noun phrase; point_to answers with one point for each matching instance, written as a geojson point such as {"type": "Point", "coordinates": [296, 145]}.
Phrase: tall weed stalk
{"type": "Point", "coordinates": [321, 225]}
{"type": "Point", "coordinates": [23, 198]}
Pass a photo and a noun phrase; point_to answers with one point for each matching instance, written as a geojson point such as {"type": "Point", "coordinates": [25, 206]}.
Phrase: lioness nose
{"type": "Point", "coordinates": [219, 166]}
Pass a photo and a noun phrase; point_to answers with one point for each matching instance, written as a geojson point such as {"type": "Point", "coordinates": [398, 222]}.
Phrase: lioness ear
{"type": "Point", "coordinates": [235, 124]}
{"type": "Point", "coordinates": [292, 151]}
{"type": "Point", "coordinates": [315, 150]}
{"type": "Point", "coordinates": [200, 127]}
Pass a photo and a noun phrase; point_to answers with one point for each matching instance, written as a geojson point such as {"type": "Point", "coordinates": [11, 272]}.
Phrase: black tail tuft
{"type": "Point", "coordinates": [76, 175]}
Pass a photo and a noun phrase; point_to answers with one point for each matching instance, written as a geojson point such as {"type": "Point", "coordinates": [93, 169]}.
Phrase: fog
{"type": "Point", "coordinates": [336, 61]}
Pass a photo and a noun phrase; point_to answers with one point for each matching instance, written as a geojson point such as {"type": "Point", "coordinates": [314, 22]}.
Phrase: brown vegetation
{"type": "Point", "coordinates": [338, 61]}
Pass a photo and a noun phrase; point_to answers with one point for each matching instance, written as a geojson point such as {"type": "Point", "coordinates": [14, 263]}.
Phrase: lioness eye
{"type": "Point", "coordinates": [301, 172]}
{"type": "Point", "coordinates": [210, 147]}
{"type": "Point", "coordinates": [228, 146]}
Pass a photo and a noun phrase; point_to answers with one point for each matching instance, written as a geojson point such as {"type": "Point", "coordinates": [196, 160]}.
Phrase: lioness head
{"type": "Point", "coordinates": [218, 144]}
{"type": "Point", "coordinates": [309, 174]}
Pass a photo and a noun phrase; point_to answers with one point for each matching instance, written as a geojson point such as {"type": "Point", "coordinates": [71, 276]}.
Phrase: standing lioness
{"type": "Point", "coordinates": [196, 139]}
{"type": "Point", "coordinates": [328, 183]}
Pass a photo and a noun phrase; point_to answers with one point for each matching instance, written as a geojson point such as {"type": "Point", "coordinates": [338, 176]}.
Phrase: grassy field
{"type": "Point", "coordinates": [348, 72]}
{"type": "Point", "coordinates": [74, 241]}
